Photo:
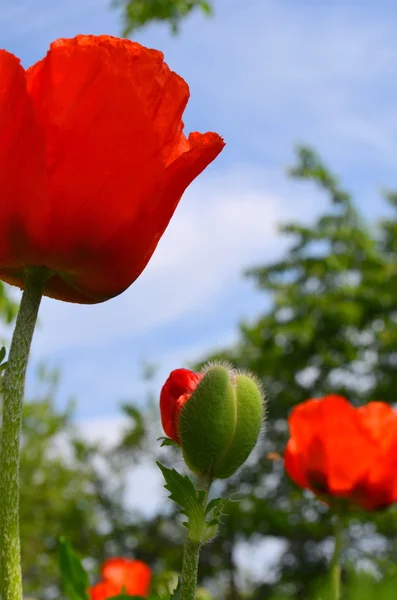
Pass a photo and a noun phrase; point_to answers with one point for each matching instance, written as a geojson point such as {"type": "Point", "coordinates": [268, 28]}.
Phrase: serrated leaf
{"type": "Point", "coordinates": [73, 576]}
{"type": "Point", "coordinates": [183, 492]}
{"type": "Point", "coordinates": [3, 366]}
{"type": "Point", "coordinates": [181, 488]}
{"type": "Point", "coordinates": [193, 505]}
{"type": "Point", "coordinates": [2, 353]}
{"type": "Point", "coordinates": [167, 442]}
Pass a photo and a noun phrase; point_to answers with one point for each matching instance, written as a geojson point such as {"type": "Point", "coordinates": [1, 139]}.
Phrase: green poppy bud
{"type": "Point", "coordinates": [216, 416]}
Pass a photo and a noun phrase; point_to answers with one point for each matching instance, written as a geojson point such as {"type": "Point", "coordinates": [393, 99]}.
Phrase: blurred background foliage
{"type": "Point", "coordinates": [329, 324]}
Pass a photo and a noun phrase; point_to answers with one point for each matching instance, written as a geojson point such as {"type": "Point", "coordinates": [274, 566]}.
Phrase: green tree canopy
{"type": "Point", "coordinates": [137, 13]}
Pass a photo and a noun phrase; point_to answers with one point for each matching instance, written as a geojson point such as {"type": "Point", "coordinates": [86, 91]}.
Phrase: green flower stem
{"type": "Point", "coordinates": [12, 389]}
{"type": "Point", "coordinates": [191, 552]}
{"type": "Point", "coordinates": [335, 563]}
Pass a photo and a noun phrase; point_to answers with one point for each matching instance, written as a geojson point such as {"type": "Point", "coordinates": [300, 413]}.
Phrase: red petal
{"type": "Point", "coordinates": [198, 152]}
{"type": "Point", "coordinates": [111, 110]}
{"type": "Point", "coordinates": [333, 447]}
{"type": "Point", "coordinates": [175, 392]}
{"type": "Point", "coordinates": [379, 488]}
{"type": "Point", "coordinates": [374, 416]}
{"type": "Point", "coordinates": [24, 203]}
{"type": "Point", "coordinates": [103, 159]}
{"type": "Point", "coordinates": [293, 465]}
{"type": "Point", "coordinates": [133, 575]}
{"type": "Point", "coordinates": [103, 590]}
{"type": "Point", "coordinates": [348, 449]}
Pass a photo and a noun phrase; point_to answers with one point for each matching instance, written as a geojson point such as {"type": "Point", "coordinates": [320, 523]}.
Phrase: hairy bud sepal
{"type": "Point", "coordinates": [220, 423]}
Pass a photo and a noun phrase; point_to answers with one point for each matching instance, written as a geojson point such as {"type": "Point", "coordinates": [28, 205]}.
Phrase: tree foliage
{"type": "Point", "coordinates": [331, 328]}
{"type": "Point", "coordinates": [138, 13]}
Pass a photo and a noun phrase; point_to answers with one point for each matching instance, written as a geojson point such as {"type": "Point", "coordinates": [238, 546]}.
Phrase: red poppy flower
{"type": "Point", "coordinates": [93, 162]}
{"type": "Point", "coordinates": [122, 574]}
{"type": "Point", "coordinates": [178, 388]}
{"type": "Point", "coordinates": [345, 452]}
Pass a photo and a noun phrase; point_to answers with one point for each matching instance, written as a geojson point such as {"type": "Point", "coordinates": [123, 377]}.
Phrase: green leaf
{"type": "Point", "coordinates": [138, 13]}
{"type": "Point", "coordinates": [177, 594]}
{"type": "Point", "coordinates": [213, 504]}
{"type": "Point", "coordinates": [207, 8]}
{"type": "Point", "coordinates": [193, 505]}
{"type": "Point", "coordinates": [2, 353]}
{"type": "Point", "coordinates": [74, 578]}
{"type": "Point", "coordinates": [182, 491]}
{"type": "Point", "coordinates": [167, 442]}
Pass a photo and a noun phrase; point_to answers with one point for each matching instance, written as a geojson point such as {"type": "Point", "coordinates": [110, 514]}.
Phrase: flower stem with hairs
{"type": "Point", "coordinates": [12, 388]}
{"type": "Point", "coordinates": [191, 552]}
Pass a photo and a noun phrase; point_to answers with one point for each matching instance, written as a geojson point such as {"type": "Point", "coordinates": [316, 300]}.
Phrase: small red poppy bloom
{"type": "Point", "coordinates": [338, 450]}
{"type": "Point", "coordinates": [122, 574]}
{"type": "Point", "coordinates": [178, 388]}
{"type": "Point", "coordinates": [93, 163]}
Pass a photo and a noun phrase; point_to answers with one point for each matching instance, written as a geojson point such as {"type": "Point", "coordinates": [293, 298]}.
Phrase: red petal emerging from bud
{"type": "Point", "coordinates": [175, 392]}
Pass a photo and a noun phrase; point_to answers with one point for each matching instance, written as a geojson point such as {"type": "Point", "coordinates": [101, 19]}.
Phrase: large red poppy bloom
{"type": "Point", "coordinates": [340, 451]}
{"type": "Point", "coordinates": [177, 390]}
{"type": "Point", "coordinates": [93, 162]}
{"type": "Point", "coordinates": [122, 574]}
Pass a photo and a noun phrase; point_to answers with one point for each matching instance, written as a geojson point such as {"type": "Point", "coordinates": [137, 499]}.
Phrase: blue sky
{"type": "Point", "coordinates": [266, 75]}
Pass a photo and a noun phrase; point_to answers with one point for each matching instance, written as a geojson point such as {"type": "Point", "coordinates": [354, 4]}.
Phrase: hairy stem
{"type": "Point", "coordinates": [191, 553]}
{"type": "Point", "coordinates": [12, 390]}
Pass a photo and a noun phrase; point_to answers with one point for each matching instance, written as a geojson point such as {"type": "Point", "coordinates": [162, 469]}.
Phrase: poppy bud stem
{"type": "Point", "coordinates": [12, 389]}
{"type": "Point", "coordinates": [335, 563]}
{"type": "Point", "coordinates": [191, 552]}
